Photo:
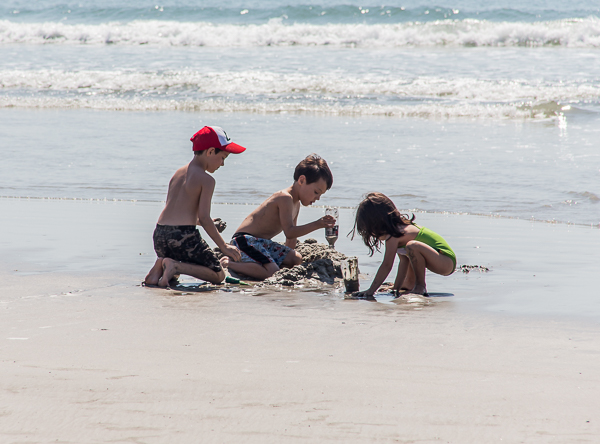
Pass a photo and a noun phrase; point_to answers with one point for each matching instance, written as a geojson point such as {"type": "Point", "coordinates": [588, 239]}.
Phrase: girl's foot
{"type": "Point", "coordinates": [419, 289]}
{"type": "Point", "coordinates": [155, 273]}
{"type": "Point", "coordinates": [224, 262]}
{"type": "Point", "coordinates": [169, 267]}
{"type": "Point", "coordinates": [398, 293]}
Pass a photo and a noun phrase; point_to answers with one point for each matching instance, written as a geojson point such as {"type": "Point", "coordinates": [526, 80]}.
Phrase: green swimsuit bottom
{"type": "Point", "coordinates": [436, 242]}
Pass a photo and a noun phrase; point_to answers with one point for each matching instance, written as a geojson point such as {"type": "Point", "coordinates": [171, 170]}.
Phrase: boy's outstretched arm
{"type": "Point", "coordinates": [208, 187]}
{"type": "Point", "coordinates": [288, 222]}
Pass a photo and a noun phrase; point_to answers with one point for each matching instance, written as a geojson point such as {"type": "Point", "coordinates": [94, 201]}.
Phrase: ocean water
{"type": "Point", "coordinates": [447, 106]}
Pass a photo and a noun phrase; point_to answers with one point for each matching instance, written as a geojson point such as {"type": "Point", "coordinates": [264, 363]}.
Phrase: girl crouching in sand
{"type": "Point", "coordinates": [378, 221]}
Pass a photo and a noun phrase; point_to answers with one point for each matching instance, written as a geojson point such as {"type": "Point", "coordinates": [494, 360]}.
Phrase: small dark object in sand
{"type": "Point", "coordinates": [469, 268]}
{"type": "Point", "coordinates": [351, 285]}
{"type": "Point", "coordinates": [350, 274]}
{"type": "Point", "coordinates": [220, 224]}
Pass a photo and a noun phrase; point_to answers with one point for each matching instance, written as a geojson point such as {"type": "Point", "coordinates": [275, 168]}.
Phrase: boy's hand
{"type": "Point", "coordinates": [232, 252]}
{"type": "Point", "coordinates": [326, 221]}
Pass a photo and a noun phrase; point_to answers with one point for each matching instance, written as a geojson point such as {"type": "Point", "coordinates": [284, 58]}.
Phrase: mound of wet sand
{"type": "Point", "coordinates": [322, 265]}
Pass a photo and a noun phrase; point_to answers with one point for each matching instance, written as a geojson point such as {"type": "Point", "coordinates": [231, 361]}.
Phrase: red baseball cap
{"type": "Point", "coordinates": [215, 137]}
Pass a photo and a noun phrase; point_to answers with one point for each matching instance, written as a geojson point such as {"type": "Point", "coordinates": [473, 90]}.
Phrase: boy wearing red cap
{"type": "Point", "coordinates": [177, 242]}
{"type": "Point", "coordinates": [262, 257]}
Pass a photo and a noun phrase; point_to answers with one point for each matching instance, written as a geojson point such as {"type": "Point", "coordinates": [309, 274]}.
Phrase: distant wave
{"type": "Point", "coordinates": [428, 110]}
{"type": "Point", "coordinates": [468, 32]}
{"type": "Point", "coordinates": [585, 196]}
{"type": "Point", "coordinates": [292, 86]}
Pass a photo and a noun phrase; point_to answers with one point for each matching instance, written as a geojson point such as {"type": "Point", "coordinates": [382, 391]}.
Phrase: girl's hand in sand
{"type": "Point", "coordinates": [326, 221]}
{"type": "Point", "coordinates": [232, 252]}
{"type": "Point", "coordinates": [363, 294]}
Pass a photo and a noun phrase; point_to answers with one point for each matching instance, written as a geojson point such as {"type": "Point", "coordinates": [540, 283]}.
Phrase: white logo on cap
{"type": "Point", "coordinates": [222, 135]}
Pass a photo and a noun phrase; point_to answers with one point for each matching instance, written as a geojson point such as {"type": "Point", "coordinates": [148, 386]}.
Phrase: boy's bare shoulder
{"type": "Point", "coordinates": [197, 176]}
{"type": "Point", "coordinates": [282, 195]}
{"type": "Point", "coordinates": [279, 198]}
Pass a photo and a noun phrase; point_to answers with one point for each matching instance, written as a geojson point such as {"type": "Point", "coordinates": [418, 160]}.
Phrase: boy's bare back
{"type": "Point", "coordinates": [270, 218]}
{"type": "Point", "coordinates": [187, 188]}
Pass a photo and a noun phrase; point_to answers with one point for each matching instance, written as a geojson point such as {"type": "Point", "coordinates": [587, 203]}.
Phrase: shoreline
{"type": "Point", "coordinates": [323, 206]}
{"type": "Point", "coordinates": [526, 260]}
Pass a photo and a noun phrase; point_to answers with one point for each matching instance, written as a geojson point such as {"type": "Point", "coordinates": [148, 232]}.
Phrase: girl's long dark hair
{"type": "Point", "coordinates": [377, 216]}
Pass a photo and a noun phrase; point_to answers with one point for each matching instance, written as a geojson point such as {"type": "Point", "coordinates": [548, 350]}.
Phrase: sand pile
{"type": "Point", "coordinates": [322, 265]}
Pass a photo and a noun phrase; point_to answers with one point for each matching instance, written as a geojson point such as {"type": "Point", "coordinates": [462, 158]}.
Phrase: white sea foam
{"type": "Point", "coordinates": [422, 110]}
{"type": "Point", "coordinates": [327, 86]}
{"type": "Point", "coordinates": [468, 32]}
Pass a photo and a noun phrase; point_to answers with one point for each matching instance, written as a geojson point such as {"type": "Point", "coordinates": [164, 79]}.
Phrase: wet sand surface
{"type": "Point", "coordinates": [88, 355]}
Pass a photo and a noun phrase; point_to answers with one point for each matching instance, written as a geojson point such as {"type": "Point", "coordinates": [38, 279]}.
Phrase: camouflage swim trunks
{"type": "Point", "coordinates": [183, 243]}
{"type": "Point", "coordinates": [256, 249]}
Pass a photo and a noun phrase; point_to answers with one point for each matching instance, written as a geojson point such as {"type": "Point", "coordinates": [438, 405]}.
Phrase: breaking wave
{"type": "Point", "coordinates": [422, 110]}
{"type": "Point", "coordinates": [254, 82]}
{"type": "Point", "coordinates": [572, 33]}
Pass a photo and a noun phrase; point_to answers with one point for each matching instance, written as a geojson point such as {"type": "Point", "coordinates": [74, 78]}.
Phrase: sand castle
{"type": "Point", "coordinates": [321, 266]}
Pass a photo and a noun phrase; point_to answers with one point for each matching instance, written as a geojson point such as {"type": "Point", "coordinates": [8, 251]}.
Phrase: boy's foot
{"type": "Point", "coordinates": [169, 267]}
{"type": "Point", "coordinates": [224, 262]}
{"type": "Point", "coordinates": [155, 273]}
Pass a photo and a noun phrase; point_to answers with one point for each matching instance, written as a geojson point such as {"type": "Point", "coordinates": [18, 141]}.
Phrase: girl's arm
{"type": "Point", "coordinates": [391, 246]}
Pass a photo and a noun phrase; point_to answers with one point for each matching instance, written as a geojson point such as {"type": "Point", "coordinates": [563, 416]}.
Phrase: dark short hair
{"type": "Point", "coordinates": [314, 167]}
{"type": "Point", "coordinates": [198, 153]}
{"type": "Point", "coordinates": [377, 216]}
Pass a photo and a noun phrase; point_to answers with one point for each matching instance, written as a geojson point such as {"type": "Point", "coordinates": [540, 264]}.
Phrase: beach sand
{"type": "Point", "coordinates": [89, 355]}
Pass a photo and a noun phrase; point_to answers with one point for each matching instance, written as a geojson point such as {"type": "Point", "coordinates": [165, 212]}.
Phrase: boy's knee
{"type": "Point", "coordinates": [219, 277]}
{"type": "Point", "coordinates": [296, 258]}
{"type": "Point", "coordinates": [293, 258]}
{"type": "Point", "coordinates": [271, 268]}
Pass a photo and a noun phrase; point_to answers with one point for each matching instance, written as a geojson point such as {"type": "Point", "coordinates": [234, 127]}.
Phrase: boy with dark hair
{"type": "Point", "coordinates": [177, 242]}
{"type": "Point", "coordinates": [262, 257]}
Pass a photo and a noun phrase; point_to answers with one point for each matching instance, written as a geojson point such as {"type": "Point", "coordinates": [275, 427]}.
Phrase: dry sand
{"type": "Point", "coordinates": [89, 356]}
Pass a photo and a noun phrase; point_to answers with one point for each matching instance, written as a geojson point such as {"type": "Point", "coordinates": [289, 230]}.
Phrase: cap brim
{"type": "Point", "coordinates": [233, 148]}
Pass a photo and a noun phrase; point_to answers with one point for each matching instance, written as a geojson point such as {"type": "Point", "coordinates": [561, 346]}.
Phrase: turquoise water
{"type": "Point", "coordinates": [447, 106]}
{"type": "Point", "coordinates": [243, 12]}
